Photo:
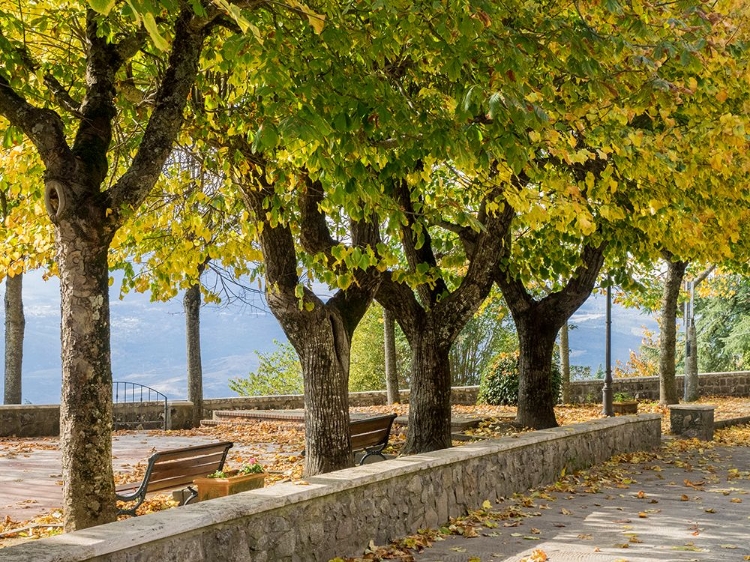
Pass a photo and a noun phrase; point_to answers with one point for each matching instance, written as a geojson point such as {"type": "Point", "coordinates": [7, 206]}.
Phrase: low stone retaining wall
{"type": "Point", "coordinates": [337, 514]}
{"type": "Point", "coordinates": [647, 388]}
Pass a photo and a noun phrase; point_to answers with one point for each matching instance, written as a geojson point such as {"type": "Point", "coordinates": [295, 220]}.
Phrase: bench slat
{"type": "Point", "coordinates": [198, 450]}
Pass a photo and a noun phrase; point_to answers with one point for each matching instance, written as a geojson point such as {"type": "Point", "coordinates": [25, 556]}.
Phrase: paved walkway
{"type": "Point", "coordinates": [694, 508]}
{"type": "Point", "coordinates": [31, 469]}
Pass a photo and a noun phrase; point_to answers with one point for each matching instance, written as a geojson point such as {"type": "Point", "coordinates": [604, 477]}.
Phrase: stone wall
{"type": "Point", "coordinates": [25, 420]}
{"type": "Point", "coordinates": [647, 388]}
{"type": "Point", "coordinates": [44, 421]}
{"type": "Point", "coordinates": [338, 513]}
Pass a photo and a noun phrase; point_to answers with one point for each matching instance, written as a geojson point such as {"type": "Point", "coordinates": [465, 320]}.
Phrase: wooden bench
{"type": "Point", "coordinates": [174, 469]}
{"type": "Point", "coordinates": [371, 435]}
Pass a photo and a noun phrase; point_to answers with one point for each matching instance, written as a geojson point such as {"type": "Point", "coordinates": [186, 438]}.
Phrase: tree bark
{"type": "Point", "coordinates": [391, 367]}
{"type": "Point", "coordinates": [86, 401]}
{"type": "Point", "coordinates": [565, 363]}
{"type": "Point", "coordinates": [668, 331]}
{"type": "Point", "coordinates": [15, 323]}
{"type": "Point", "coordinates": [537, 323]}
{"type": "Point", "coordinates": [430, 394]}
{"type": "Point", "coordinates": [191, 302]}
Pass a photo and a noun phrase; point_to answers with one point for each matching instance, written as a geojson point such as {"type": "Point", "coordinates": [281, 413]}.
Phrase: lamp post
{"type": "Point", "coordinates": [607, 409]}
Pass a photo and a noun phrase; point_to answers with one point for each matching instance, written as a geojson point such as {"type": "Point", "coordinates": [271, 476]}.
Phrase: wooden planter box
{"type": "Point", "coordinates": [624, 408]}
{"type": "Point", "coordinates": [210, 488]}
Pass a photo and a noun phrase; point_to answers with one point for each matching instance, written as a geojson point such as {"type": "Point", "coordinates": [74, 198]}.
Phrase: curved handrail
{"type": "Point", "coordinates": [126, 392]}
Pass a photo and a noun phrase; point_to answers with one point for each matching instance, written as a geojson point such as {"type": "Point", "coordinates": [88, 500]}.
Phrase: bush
{"type": "Point", "coordinates": [499, 385]}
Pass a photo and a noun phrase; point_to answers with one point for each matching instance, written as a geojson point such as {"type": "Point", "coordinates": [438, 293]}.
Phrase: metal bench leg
{"type": "Point", "coordinates": [193, 495]}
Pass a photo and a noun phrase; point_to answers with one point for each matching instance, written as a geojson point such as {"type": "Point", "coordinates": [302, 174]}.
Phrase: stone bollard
{"type": "Point", "coordinates": [692, 420]}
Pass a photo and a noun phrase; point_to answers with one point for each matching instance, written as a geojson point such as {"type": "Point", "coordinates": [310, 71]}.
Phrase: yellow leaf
{"type": "Point", "coordinates": [150, 24]}
{"type": "Point", "coordinates": [317, 21]}
{"type": "Point", "coordinates": [486, 504]}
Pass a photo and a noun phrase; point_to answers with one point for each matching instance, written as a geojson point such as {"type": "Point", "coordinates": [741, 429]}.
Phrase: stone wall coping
{"type": "Point", "coordinates": [139, 531]}
{"type": "Point", "coordinates": [692, 407]}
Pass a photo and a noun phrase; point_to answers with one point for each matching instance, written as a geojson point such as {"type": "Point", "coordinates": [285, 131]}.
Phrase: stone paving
{"type": "Point", "coordinates": [30, 479]}
{"type": "Point", "coordinates": [659, 517]}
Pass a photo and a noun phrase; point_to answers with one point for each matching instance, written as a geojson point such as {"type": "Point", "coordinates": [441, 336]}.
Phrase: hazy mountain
{"type": "Point", "coordinates": [148, 341]}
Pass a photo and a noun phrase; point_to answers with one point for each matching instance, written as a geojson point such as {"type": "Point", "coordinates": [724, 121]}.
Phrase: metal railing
{"type": "Point", "coordinates": [126, 417]}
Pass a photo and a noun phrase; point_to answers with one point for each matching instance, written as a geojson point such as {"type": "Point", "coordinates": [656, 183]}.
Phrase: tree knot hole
{"type": "Point", "coordinates": [54, 199]}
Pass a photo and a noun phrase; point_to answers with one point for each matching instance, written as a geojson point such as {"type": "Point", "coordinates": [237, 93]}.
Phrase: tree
{"type": "Point", "coordinates": [391, 361]}
{"type": "Point", "coordinates": [187, 227]}
{"type": "Point", "coordinates": [84, 200]}
{"type": "Point", "coordinates": [565, 363]}
{"type": "Point", "coordinates": [25, 248]}
{"type": "Point", "coordinates": [369, 360]}
{"type": "Point", "coordinates": [484, 336]}
{"type": "Point", "coordinates": [15, 323]}
{"type": "Point", "coordinates": [432, 315]}
{"type": "Point", "coordinates": [278, 372]}
{"type": "Point", "coordinates": [667, 337]}
{"type": "Point", "coordinates": [320, 332]}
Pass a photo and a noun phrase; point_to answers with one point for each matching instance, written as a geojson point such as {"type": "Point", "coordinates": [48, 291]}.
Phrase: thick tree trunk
{"type": "Point", "coordinates": [192, 304]}
{"type": "Point", "coordinates": [536, 401]}
{"type": "Point", "coordinates": [668, 332]}
{"type": "Point", "coordinates": [86, 402]}
{"type": "Point", "coordinates": [391, 369]}
{"type": "Point", "coordinates": [565, 363]}
{"type": "Point", "coordinates": [537, 324]}
{"type": "Point", "coordinates": [323, 347]}
{"type": "Point", "coordinates": [430, 397]}
{"type": "Point", "coordinates": [15, 322]}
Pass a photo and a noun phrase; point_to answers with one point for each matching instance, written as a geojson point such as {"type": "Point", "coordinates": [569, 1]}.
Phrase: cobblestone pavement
{"type": "Point", "coordinates": [696, 508]}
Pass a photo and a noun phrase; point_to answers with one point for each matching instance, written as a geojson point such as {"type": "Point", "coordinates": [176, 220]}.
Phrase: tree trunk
{"type": "Point", "coordinates": [192, 305]}
{"type": "Point", "coordinates": [15, 323]}
{"type": "Point", "coordinates": [536, 402]}
{"type": "Point", "coordinates": [691, 366]}
{"type": "Point", "coordinates": [565, 363]}
{"type": "Point", "coordinates": [391, 370]}
{"type": "Point", "coordinates": [668, 332]}
{"type": "Point", "coordinates": [430, 397]}
{"type": "Point", "coordinates": [537, 324]}
{"type": "Point", "coordinates": [691, 358]}
{"type": "Point", "coordinates": [86, 402]}
{"type": "Point", "coordinates": [323, 347]}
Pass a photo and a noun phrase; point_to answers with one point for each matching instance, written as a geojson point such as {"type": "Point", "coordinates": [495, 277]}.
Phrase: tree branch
{"type": "Point", "coordinates": [43, 126]}
{"type": "Point", "coordinates": [167, 117]}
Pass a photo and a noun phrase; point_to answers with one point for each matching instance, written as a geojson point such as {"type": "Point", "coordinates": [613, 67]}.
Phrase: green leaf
{"type": "Point", "coordinates": [102, 6]}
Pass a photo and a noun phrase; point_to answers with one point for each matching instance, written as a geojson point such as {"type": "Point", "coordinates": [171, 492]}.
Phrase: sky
{"type": "Point", "coordinates": [148, 340]}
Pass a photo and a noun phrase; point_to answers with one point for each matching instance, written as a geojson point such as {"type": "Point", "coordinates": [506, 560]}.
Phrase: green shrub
{"type": "Point", "coordinates": [499, 385]}
{"type": "Point", "coordinates": [279, 372]}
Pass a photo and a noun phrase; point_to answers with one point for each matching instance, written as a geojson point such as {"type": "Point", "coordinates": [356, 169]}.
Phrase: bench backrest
{"type": "Point", "coordinates": [178, 467]}
{"type": "Point", "coordinates": [370, 432]}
